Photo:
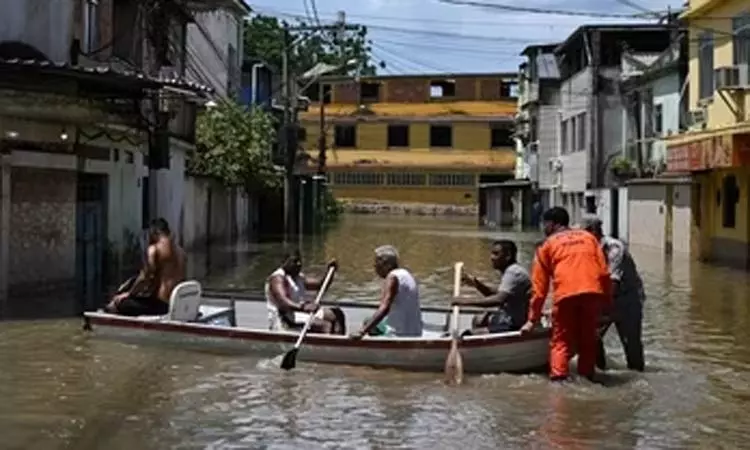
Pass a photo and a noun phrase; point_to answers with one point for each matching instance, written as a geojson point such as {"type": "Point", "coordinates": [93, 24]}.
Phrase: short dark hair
{"type": "Point", "coordinates": [159, 226]}
{"type": "Point", "coordinates": [557, 215]}
{"type": "Point", "coordinates": [292, 254]}
{"type": "Point", "coordinates": [509, 247]}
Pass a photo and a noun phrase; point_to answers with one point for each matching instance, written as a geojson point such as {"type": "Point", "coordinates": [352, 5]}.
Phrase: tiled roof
{"type": "Point", "coordinates": [104, 70]}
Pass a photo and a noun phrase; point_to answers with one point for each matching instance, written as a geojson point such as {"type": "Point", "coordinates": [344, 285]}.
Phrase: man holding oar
{"type": "Point", "coordinates": [285, 290]}
{"type": "Point", "coordinates": [628, 293]}
{"type": "Point", "coordinates": [511, 297]}
{"type": "Point", "coordinates": [573, 261]}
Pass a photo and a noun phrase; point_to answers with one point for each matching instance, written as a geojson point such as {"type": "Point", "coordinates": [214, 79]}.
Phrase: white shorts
{"type": "Point", "coordinates": [276, 324]}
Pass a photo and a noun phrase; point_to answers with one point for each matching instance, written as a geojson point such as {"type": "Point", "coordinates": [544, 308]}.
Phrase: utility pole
{"type": "Point", "coordinates": [287, 150]}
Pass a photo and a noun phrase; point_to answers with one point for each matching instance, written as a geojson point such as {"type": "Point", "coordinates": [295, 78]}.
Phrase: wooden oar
{"type": "Point", "coordinates": [454, 363]}
{"type": "Point", "coordinates": [290, 358]}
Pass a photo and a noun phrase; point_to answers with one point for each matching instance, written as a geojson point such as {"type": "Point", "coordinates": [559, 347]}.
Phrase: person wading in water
{"type": "Point", "coordinates": [574, 263]}
{"type": "Point", "coordinates": [164, 269]}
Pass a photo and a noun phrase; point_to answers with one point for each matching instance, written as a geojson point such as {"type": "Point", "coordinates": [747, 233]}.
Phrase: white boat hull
{"type": "Point", "coordinates": [507, 352]}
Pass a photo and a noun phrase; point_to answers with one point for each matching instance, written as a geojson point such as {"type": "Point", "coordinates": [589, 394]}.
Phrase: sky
{"type": "Point", "coordinates": [429, 36]}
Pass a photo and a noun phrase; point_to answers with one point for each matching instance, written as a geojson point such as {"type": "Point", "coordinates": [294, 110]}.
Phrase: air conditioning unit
{"type": "Point", "coordinates": [726, 77]}
{"type": "Point", "coordinates": [744, 75]}
{"type": "Point", "coordinates": [697, 117]}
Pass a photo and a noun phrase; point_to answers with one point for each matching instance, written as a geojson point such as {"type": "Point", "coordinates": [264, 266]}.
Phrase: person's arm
{"type": "Point", "coordinates": [280, 297]}
{"type": "Point", "coordinates": [390, 289]}
{"type": "Point", "coordinates": [610, 274]}
{"type": "Point", "coordinates": [313, 284]}
{"type": "Point", "coordinates": [540, 279]}
{"type": "Point", "coordinates": [145, 279]}
{"type": "Point", "coordinates": [498, 299]}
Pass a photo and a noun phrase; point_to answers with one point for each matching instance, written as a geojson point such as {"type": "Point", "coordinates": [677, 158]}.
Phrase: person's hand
{"type": "Point", "coordinates": [310, 308]}
{"type": "Point", "coordinates": [527, 328]}
{"type": "Point", "coordinates": [468, 279]}
{"type": "Point", "coordinates": [333, 264]}
{"type": "Point", "coordinates": [357, 336]}
{"type": "Point", "coordinates": [117, 299]}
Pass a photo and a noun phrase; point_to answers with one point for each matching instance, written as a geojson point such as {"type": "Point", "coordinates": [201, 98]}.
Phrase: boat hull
{"type": "Point", "coordinates": [508, 352]}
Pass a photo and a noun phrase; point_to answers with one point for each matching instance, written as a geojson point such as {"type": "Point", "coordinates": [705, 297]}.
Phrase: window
{"type": "Point", "coordinates": [581, 131]}
{"type": "Point", "coordinates": [564, 137]}
{"type": "Point", "coordinates": [730, 195]}
{"type": "Point", "coordinates": [508, 89]}
{"type": "Point", "coordinates": [406, 179]}
{"type": "Point", "coordinates": [126, 31]}
{"type": "Point", "coordinates": [441, 136]}
{"type": "Point", "coordinates": [741, 38]}
{"type": "Point", "coordinates": [573, 133]}
{"type": "Point", "coordinates": [345, 136]}
{"type": "Point", "coordinates": [398, 136]}
{"type": "Point", "coordinates": [443, 88]}
{"type": "Point", "coordinates": [369, 92]}
{"type": "Point", "coordinates": [233, 72]}
{"type": "Point", "coordinates": [314, 94]}
{"type": "Point", "coordinates": [452, 179]}
{"type": "Point", "coordinates": [501, 135]}
{"type": "Point", "coordinates": [658, 119]}
{"type": "Point", "coordinates": [91, 26]}
{"type": "Point", "coordinates": [706, 65]}
{"type": "Point", "coordinates": [358, 178]}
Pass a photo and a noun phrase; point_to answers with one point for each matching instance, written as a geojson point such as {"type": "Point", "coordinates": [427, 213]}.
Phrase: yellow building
{"type": "Point", "coordinates": [716, 148]}
{"type": "Point", "coordinates": [425, 138]}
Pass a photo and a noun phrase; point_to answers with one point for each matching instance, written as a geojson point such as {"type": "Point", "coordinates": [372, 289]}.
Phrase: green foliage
{"type": "Point", "coordinates": [264, 39]}
{"type": "Point", "coordinates": [331, 209]}
{"type": "Point", "coordinates": [234, 145]}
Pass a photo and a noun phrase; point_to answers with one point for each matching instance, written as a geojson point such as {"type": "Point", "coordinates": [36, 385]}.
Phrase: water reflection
{"type": "Point", "coordinates": [61, 389]}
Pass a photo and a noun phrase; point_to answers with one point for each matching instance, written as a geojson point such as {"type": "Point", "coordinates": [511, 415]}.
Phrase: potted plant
{"type": "Point", "coordinates": [622, 168]}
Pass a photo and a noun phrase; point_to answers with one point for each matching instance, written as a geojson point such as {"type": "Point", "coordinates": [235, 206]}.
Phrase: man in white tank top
{"type": "Point", "coordinates": [285, 300]}
{"type": "Point", "coordinates": [399, 313]}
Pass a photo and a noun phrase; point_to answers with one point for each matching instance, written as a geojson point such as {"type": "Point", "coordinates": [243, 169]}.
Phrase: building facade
{"type": "Point", "coordinates": [591, 106]}
{"type": "Point", "coordinates": [538, 123]}
{"type": "Point", "coordinates": [415, 138]}
{"type": "Point", "coordinates": [715, 148]}
{"type": "Point", "coordinates": [85, 94]}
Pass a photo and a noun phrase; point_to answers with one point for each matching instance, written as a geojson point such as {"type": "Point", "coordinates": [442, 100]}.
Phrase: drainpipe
{"type": "Point", "coordinates": [254, 82]}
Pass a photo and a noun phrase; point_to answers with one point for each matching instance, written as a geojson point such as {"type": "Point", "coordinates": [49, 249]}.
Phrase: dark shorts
{"type": "Point", "coordinates": [500, 322]}
{"type": "Point", "coordinates": [142, 306]}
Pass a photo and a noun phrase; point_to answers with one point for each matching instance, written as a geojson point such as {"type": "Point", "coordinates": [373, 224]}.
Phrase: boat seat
{"type": "Point", "coordinates": [185, 302]}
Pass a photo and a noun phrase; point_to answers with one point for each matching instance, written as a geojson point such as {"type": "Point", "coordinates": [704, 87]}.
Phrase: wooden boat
{"type": "Point", "coordinates": [230, 322]}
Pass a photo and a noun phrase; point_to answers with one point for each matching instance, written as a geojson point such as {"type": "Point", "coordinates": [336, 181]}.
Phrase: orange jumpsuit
{"type": "Point", "coordinates": [575, 264]}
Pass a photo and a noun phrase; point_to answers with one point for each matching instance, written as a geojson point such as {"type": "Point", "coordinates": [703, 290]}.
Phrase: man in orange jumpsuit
{"type": "Point", "coordinates": [575, 264]}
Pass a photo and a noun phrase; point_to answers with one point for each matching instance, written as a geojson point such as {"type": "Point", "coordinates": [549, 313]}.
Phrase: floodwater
{"type": "Point", "coordinates": [61, 389]}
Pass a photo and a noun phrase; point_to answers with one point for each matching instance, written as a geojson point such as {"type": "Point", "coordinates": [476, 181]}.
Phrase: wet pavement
{"type": "Point", "coordinates": [62, 389]}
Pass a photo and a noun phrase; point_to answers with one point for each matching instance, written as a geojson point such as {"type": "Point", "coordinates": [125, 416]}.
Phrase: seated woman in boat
{"type": "Point", "coordinates": [399, 312]}
{"type": "Point", "coordinates": [511, 297]}
{"type": "Point", "coordinates": [285, 291]}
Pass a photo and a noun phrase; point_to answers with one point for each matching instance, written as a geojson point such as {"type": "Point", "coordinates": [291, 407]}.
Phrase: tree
{"type": "Point", "coordinates": [264, 39]}
{"type": "Point", "coordinates": [234, 145]}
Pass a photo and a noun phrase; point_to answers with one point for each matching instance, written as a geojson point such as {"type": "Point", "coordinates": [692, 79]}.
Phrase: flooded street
{"type": "Point", "coordinates": [60, 389]}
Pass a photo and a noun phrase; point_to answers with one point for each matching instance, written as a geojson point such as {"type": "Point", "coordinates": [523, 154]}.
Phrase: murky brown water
{"type": "Point", "coordinates": [61, 389]}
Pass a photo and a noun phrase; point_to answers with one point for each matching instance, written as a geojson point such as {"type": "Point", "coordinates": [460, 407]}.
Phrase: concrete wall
{"type": "Point", "coordinates": [660, 217]}
{"type": "Point", "coordinates": [43, 24]}
{"type": "Point", "coordinates": [208, 42]}
{"type": "Point", "coordinates": [623, 214]}
{"type": "Point", "coordinates": [548, 135]}
{"type": "Point", "coordinates": [666, 91]}
{"type": "Point", "coordinates": [682, 219]}
{"type": "Point", "coordinates": [575, 98]}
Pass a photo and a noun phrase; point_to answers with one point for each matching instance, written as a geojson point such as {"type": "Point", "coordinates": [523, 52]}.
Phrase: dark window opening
{"type": "Point", "coordinates": [501, 136]}
{"type": "Point", "coordinates": [441, 136]}
{"type": "Point", "coordinates": [398, 136]}
{"type": "Point", "coordinates": [127, 32]}
{"type": "Point", "coordinates": [696, 204]}
{"type": "Point", "coordinates": [369, 92]}
{"type": "Point", "coordinates": [345, 136]}
{"type": "Point", "coordinates": [731, 194]}
{"type": "Point", "coordinates": [314, 94]}
{"type": "Point", "coordinates": [658, 119]}
{"type": "Point", "coordinates": [302, 134]}
{"type": "Point", "coordinates": [444, 88]}
{"type": "Point", "coordinates": [508, 89]}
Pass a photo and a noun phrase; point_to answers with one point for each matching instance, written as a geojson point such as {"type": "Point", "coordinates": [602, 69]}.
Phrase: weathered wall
{"type": "Point", "coordinates": [42, 230]}
{"type": "Point", "coordinates": [575, 98]}
{"type": "Point", "coordinates": [209, 57]}
{"type": "Point", "coordinates": [647, 215]}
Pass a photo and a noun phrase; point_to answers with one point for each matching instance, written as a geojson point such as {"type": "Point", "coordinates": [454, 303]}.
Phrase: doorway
{"type": "Point", "coordinates": [91, 226]}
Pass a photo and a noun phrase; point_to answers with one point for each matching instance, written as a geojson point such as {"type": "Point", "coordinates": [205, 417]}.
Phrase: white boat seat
{"type": "Point", "coordinates": [185, 302]}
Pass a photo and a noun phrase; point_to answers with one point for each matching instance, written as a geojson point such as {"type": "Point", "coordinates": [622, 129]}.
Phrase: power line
{"type": "Point", "coordinates": [533, 10]}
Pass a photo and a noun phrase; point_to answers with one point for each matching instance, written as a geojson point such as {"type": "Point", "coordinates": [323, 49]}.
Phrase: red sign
{"type": "Point", "coordinates": [712, 153]}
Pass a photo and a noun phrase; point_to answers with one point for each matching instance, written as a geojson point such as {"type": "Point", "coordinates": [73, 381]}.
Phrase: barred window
{"type": "Point", "coordinates": [452, 179]}
{"type": "Point", "coordinates": [358, 178]}
{"type": "Point", "coordinates": [706, 65]}
{"type": "Point", "coordinates": [406, 179]}
{"type": "Point", "coordinates": [741, 39]}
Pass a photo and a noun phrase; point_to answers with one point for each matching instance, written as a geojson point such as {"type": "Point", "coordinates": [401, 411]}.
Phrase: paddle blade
{"type": "Point", "coordinates": [454, 365]}
{"type": "Point", "coordinates": [290, 359]}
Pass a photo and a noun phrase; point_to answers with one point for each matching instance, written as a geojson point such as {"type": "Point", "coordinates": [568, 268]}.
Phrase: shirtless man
{"type": "Point", "coordinates": [164, 269]}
